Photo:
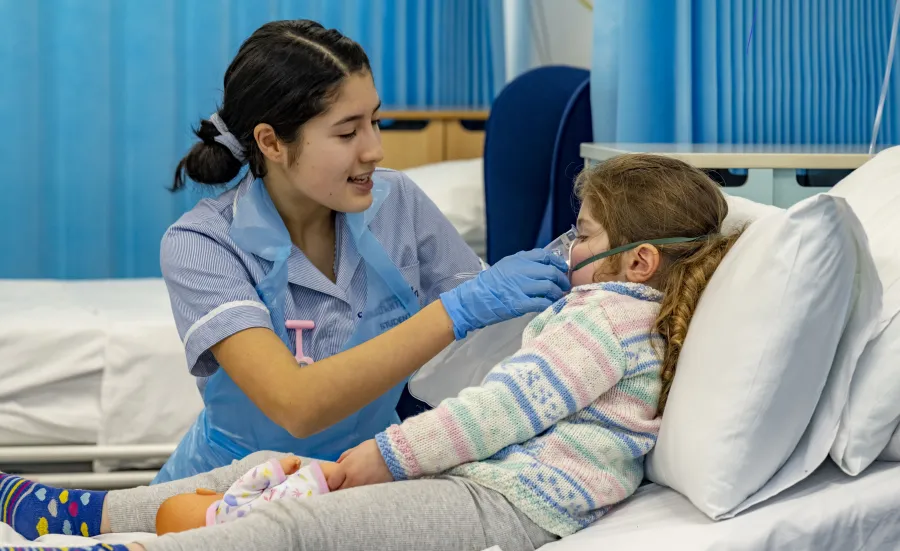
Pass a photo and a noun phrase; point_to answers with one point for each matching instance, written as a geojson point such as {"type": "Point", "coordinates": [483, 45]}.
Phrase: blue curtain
{"type": "Point", "coordinates": [689, 71]}
{"type": "Point", "coordinates": [98, 98]}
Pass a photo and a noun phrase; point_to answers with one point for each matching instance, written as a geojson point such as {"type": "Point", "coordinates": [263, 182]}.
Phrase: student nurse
{"type": "Point", "coordinates": [315, 232]}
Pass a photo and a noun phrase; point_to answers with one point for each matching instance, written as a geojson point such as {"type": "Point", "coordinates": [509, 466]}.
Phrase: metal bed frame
{"type": "Point", "coordinates": [25, 458]}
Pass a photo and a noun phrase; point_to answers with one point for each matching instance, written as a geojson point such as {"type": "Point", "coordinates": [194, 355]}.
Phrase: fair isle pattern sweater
{"type": "Point", "coordinates": [561, 427]}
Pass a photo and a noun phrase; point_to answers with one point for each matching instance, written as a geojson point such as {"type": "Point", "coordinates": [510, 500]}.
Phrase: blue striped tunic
{"type": "Point", "coordinates": [211, 281]}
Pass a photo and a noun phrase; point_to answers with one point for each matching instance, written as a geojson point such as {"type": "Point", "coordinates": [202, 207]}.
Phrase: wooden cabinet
{"type": "Point", "coordinates": [419, 137]}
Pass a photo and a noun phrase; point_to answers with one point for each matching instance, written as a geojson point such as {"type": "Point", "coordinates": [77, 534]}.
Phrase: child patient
{"type": "Point", "coordinates": [554, 436]}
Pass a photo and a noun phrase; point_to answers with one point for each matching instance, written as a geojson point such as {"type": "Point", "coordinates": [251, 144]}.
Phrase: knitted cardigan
{"type": "Point", "coordinates": [561, 427]}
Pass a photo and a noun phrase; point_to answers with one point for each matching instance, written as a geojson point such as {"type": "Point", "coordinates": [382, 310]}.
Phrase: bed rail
{"type": "Point", "coordinates": [69, 454]}
{"type": "Point", "coordinates": [96, 481]}
{"type": "Point", "coordinates": [26, 457]}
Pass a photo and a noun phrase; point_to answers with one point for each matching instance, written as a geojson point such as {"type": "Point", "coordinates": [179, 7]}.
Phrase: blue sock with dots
{"type": "Point", "coordinates": [35, 510]}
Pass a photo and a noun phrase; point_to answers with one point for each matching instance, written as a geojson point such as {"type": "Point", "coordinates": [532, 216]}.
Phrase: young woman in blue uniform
{"type": "Point", "coordinates": [315, 232]}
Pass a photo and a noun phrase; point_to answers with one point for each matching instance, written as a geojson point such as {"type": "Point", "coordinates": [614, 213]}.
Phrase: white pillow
{"type": "Point", "coordinates": [872, 412]}
{"type": "Point", "coordinates": [892, 451]}
{"type": "Point", "coordinates": [457, 188]}
{"type": "Point", "coordinates": [743, 211]}
{"type": "Point", "coordinates": [465, 363]}
{"type": "Point", "coordinates": [744, 419]}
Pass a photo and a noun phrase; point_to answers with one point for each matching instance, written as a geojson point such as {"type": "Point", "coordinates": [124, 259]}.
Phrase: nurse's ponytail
{"type": "Point", "coordinates": [285, 74]}
{"type": "Point", "coordinates": [640, 197]}
{"type": "Point", "coordinates": [208, 161]}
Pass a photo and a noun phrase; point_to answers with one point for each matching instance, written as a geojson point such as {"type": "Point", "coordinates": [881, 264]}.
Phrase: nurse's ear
{"type": "Point", "coordinates": [270, 146]}
{"type": "Point", "coordinates": [641, 263]}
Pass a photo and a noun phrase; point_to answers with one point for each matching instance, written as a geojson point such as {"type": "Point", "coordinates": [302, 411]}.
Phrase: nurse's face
{"type": "Point", "coordinates": [338, 151]}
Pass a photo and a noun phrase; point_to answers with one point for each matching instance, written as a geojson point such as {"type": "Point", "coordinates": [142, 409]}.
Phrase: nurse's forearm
{"type": "Point", "coordinates": [354, 378]}
{"type": "Point", "coordinates": [305, 401]}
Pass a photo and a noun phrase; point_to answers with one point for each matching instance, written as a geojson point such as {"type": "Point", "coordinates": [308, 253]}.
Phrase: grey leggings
{"type": "Point", "coordinates": [445, 513]}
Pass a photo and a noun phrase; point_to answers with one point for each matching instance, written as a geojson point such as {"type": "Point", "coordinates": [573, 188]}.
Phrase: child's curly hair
{"type": "Point", "coordinates": [636, 197]}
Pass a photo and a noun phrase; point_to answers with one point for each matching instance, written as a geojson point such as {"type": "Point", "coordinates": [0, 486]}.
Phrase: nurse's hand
{"type": "Point", "coordinates": [525, 282]}
{"type": "Point", "coordinates": [361, 466]}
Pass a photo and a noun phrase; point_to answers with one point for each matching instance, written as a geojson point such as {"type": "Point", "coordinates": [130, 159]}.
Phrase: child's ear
{"type": "Point", "coordinates": [642, 264]}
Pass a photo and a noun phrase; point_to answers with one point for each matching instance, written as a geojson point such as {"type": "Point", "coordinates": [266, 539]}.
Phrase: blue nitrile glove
{"type": "Point", "coordinates": [525, 282]}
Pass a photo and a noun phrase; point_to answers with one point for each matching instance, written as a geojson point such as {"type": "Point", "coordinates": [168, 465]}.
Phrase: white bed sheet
{"type": "Point", "coordinates": [92, 362]}
{"type": "Point", "coordinates": [9, 538]}
{"type": "Point", "coordinates": [827, 511]}
{"type": "Point", "coordinates": [51, 364]}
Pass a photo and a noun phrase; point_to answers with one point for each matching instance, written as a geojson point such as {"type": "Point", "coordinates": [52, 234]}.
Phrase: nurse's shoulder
{"type": "Point", "coordinates": [211, 281]}
{"type": "Point", "coordinates": [200, 231]}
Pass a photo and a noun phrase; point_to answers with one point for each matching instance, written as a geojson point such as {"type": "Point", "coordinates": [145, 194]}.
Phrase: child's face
{"type": "Point", "coordinates": [637, 265]}
{"type": "Point", "coordinates": [592, 239]}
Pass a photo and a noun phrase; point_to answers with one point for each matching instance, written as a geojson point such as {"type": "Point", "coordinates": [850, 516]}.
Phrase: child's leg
{"type": "Point", "coordinates": [435, 514]}
{"type": "Point", "coordinates": [134, 510]}
{"type": "Point", "coordinates": [35, 509]}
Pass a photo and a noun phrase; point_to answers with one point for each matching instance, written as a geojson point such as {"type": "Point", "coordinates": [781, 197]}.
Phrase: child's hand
{"type": "Point", "coordinates": [290, 465]}
{"type": "Point", "coordinates": [363, 465]}
{"type": "Point", "coordinates": [334, 474]}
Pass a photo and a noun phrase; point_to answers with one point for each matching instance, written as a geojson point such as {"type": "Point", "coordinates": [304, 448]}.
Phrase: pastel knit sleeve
{"type": "Point", "coordinates": [567, 361]}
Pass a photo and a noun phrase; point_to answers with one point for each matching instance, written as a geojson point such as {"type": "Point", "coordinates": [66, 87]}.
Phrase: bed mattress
{"type": "Point", "coordinates": [827, 511]}
{"type": "Point", "coordinates": [51, 364]}
{"type": "Point", "coordinates": [78, 360]}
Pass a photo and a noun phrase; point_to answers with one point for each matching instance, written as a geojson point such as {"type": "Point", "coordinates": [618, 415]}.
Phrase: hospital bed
{"type": "Point", "coordinates": [96, 353]}
{"type": "Point", "coordinates": [95, 391]}
{"type": "Point", "coordinates": [101, 351]}
{"type": "Point", "coordinates": [829, 511]}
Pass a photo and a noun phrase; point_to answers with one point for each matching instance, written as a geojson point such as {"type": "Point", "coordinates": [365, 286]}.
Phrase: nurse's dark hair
{"type": "Point", "coordinates": [285, 74]}
{"type": "Point", "coordinates": [636, 197]}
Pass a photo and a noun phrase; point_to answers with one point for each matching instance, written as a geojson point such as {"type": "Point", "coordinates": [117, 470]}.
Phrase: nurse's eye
{"type": "Point", "coordinates": [349, 136]}
{"type": "Point", "coordinates": [376, 123]}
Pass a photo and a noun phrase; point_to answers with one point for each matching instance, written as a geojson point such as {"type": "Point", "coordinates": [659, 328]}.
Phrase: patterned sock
{"type": "Point", "coordinates": [98, 547]}
{"type": "Point", "coordinates": [34, 510]}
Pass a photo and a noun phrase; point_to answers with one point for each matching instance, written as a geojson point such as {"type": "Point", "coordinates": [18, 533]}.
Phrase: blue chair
{"type": "Point", "coordinates": [575, 128]}
{"type": "Point", "coordinates": [522, 136]}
